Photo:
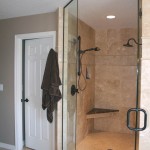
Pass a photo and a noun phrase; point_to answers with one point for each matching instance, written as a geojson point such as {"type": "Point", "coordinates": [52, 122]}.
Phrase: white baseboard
{"type": "Point", "coordinates": [7, 146]}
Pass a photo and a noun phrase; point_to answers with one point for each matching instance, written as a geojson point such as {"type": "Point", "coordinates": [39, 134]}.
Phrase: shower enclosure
{"type": "Point", "coordinates": [108, 109]}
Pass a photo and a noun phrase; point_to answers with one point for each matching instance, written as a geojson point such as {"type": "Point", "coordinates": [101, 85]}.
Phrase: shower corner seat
{"type": "Point", "coordinates": [100, 112]}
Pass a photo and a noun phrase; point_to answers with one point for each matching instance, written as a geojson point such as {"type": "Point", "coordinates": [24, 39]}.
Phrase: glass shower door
{"type": "Point", "coordinates": [70, 75]}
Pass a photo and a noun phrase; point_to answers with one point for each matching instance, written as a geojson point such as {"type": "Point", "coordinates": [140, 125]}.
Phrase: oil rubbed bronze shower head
{"type": "Point", "coordinates": [130, 45]}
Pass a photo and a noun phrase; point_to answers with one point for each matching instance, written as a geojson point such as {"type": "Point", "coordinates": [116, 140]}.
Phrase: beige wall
{"type": "Point", "coordinates": [8, 29]}
{"type": "Point", "coordinates": [115, 77]}
{"type": "Point", "coordinates": [85, 99]}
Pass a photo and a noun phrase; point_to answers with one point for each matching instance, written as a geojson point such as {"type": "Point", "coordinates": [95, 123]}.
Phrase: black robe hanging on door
{"type": "Point", "coordinates": [50, 85]}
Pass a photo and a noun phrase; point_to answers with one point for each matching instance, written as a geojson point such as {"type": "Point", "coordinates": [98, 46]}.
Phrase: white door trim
{"type": "Point", "coordinates": [18, 81]}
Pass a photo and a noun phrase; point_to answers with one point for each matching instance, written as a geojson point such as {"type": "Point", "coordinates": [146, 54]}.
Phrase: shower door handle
{"type": "Point", "coordinates": [128, 119]}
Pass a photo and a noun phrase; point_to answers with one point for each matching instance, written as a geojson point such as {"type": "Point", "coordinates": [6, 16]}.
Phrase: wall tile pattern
{"type": "Point", "coordinates": [85, 99]}
{"type": "Point", "coordinates": [115, 78]}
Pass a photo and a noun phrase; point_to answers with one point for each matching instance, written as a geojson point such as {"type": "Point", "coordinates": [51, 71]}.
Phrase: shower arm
{"type": "Point", "coordinates": [90, 49]}
{"type": "Point", "coordinates": [83, 51]}
{"type": "Point", "coordinates": [132, 39]}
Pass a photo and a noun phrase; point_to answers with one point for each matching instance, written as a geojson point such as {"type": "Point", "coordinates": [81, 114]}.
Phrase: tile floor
{"type": "Point", "coordinates": [107, 141]}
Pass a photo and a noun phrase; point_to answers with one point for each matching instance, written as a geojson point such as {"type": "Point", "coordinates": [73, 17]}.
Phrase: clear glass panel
{"type": "Point", "coordinates": [70, 75]}
{"type": "Point", "coordinates": [113, 75]}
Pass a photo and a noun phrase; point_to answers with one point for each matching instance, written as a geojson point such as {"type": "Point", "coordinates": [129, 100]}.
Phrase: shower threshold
{"type": "Point", "coordinates": [100, 112]}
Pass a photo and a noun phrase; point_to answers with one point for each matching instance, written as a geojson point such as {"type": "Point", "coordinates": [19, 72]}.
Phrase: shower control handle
{"type": "Point", "coordinates": [74, 90]}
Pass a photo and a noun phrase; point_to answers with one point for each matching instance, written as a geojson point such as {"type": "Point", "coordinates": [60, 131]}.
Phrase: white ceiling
{"type": "Point", "coordinates": [93, 12]}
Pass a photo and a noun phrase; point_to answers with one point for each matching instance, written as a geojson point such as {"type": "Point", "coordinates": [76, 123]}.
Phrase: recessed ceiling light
{"type": "Point", "coordinates": [111, 17]}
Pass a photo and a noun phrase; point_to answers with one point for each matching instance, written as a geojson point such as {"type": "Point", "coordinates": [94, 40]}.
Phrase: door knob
{"type": "Point", "coordinates": [24, 100]}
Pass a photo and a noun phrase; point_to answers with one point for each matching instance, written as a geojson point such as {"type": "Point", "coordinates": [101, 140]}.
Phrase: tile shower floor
{"type": "Point", "coordinates": [107, 141]}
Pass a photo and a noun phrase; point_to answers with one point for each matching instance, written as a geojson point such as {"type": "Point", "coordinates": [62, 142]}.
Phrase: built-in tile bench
{"type": "Point", "coordinates": [100, 112]}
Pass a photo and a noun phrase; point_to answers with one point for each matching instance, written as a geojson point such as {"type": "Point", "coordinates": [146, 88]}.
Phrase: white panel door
{"type": "Point", "coordinates": [39, 133]}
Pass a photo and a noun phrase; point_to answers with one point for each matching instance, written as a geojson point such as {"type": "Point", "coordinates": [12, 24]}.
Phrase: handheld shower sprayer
{"type": "Point", "coordinates": [81, 52]}
{"type": "Point", "coordinates": [90, 49]}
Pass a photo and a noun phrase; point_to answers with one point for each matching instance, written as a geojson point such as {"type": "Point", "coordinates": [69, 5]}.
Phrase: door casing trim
{"type": "Point", "coordinates": [19, 143]}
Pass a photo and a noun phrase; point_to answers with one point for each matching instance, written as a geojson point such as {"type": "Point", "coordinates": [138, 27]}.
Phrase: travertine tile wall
{"type": "Point", "coordinates": [85, 99]}
{"type": "Point", "coordinates": [144, 142]}
{"type": "Point", "coordinates": [115, 77]}
{"type": "Point", "coordinates": [60, 57]}
{"type": "Point", "coordinates": [68, 65]}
